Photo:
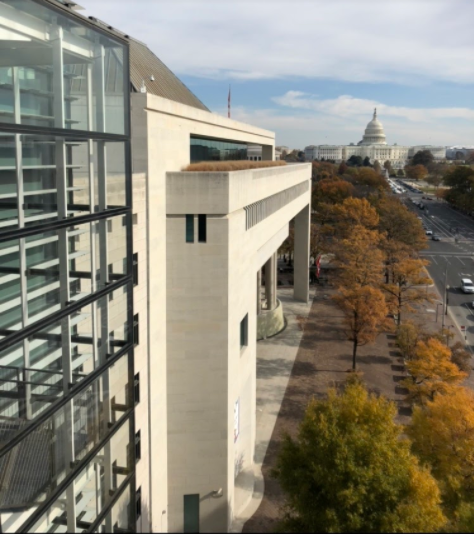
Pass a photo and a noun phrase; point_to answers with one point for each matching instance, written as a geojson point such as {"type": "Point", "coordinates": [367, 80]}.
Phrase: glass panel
{"type": "Point", "coordinates": [8, 181]}
{"type": "Point", "coordinates": [31, 58]}
{"type": "Point", "coordinates": [214, 150]}
{"type": "Point", "coordinates": [92, 490]}
{"type": "Point", "coordinates": [10, 288]}
{"type": "Point", "coordinates": [44, 457]}
{"type": "Point", "coordinates": [115, 168]}
{"type": "Point", "coordinates": [6, 94]}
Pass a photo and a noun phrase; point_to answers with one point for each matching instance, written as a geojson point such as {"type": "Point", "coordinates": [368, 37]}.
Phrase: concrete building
{"type": "Point", "coordinates": [221, 229]}
{"type": "Point", "coordinates": [374, 146]}
{"type": "Point", "coordinates": [459, 152]}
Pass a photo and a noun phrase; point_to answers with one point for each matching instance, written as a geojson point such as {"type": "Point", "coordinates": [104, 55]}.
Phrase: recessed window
{"type": "Point", "coordinates": [138, 446]}
{"type": "Point", "coordinates": [135, 330]}
{"type": "Point", "coordinates": [189, 228]}
{"type": "Point", "coordinates": [136, 388]}
{"type": "Point", "coordinates": [135, 269]}
{"type": "Point", "coordinates": [135, 218]}
{"type": "Point", "coordinates": [138, 503]}
{"type": "Point", "coordinates": [202, 228]}
{"type": "Point", "coordinates": [244, 331]}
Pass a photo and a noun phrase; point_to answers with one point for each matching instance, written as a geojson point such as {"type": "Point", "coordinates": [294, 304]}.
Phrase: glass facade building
{"type": "Point", "coordinates": [67, 389]}
{"type": "Point", "coordinates": [206, 149]}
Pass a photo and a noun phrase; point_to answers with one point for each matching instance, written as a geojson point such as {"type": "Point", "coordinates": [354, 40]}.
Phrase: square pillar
{"type": "Point", "coordinates": [270, 282]}
{"type": "Point", "coordinates": [259, 296]}
{"type": "Point", "coordinates": [268, 153]}
{"type": "Point", "coordinates": [301, 262]}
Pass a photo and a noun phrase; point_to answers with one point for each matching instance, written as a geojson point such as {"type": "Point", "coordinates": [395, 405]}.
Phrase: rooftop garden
{"type": "Point", "coordinates": [226, 166]}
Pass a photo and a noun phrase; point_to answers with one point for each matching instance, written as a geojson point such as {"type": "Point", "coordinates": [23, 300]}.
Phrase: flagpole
{"type": "Point", "coordinates": [228, 104]}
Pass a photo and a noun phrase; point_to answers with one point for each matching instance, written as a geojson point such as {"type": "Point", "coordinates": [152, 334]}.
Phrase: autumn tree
{"type": "Point", "coordinates": [388, 165]}
{"type": "Point", "coordinates": [408, 336]}
{"type": "Point", "coordinates": [422, 157]}
{"type": "Point", "coordinates": [349, 469]}
{"type": "Point", "coordinates": [359, 259]}
{"type": "Point", "coordinates": [431, 372]}
{"type": "Point", "coordinates": [461, 357]}
{"type": "Point", "coordinates": [342, 168]}
{"type": "Point", "coordinates": [330, 191]}
{"type": "Point", "coordinates": [323, 171]}
{"type": "Point", "coordinates": [365, 315]}
{"type": "Point", "coordinates": [353, 212]}
{"type": "Point", "coordinates": [399, 224]}
{"type": "Point", "coordinates": [377, 166]}
{"type": "Point", "coordinates": [442, 434]}
{"type": "Point", "coordinates": [416, 172]}
{"type": "Point", "coordinates": [406, 278]}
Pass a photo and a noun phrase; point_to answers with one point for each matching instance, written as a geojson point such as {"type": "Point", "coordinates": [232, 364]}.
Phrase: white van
{"type": "Point", "coordinates": [467, 286]}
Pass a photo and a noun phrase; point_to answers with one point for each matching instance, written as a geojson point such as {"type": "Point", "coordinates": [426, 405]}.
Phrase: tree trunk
{"type": "Point", "coordinates": [354, 353]}
{"type": "Point", "coordinates": [399, 310]}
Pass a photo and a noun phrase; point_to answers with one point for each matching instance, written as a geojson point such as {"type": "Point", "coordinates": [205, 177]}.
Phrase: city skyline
{"type": "Point", "coordinates": [312, 72]}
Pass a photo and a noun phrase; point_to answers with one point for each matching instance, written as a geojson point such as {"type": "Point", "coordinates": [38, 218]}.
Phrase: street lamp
{"type": "Point", "coordinates": [438, 304]}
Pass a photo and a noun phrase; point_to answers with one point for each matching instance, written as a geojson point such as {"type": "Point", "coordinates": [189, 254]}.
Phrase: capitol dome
{"type": "Point", "coordinates": [374, 134]}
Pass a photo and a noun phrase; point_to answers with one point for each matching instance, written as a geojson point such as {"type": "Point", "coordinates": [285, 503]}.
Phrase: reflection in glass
{"type": "Point", "coordinates": [203, 149]}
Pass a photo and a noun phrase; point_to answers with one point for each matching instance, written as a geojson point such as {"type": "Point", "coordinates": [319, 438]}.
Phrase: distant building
{"type": "Point", "coordinates": [459, 152]}
{"type": "Point", "coordinates": [374, 146]}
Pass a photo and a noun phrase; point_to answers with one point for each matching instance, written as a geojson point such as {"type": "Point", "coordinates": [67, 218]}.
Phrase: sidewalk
{"type": "Point", "coordinates": [323, 358]}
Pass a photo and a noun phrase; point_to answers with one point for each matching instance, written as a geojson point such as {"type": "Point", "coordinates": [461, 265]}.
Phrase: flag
{"type": "Point", "coordinates": [228, 104]}
{"type": "Point", "coordinates": [318, 265]}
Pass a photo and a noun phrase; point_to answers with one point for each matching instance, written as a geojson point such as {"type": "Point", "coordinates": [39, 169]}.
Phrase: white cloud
{"type": "Point", "coordinates": [402, 41]}
{"type": "Point", "coordinates": [349, 106]}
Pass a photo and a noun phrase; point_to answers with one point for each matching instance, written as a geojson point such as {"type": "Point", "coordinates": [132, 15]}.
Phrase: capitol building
{"type": "Point", "coordinates": [374, 146]}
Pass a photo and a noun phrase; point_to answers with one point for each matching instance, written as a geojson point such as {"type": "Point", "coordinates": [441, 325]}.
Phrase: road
{"type": "Point", "coordinates": [454, 254]}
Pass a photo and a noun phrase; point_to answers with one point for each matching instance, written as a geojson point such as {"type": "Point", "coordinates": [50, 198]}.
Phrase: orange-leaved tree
{"type": "Point", "coordinates": [432, 372]}
{"type": "Point", "coordinates": [442, 434]}
{"type": "Point", "coordinates": [331, 191]}
{"type": "Point", "coordinates": [408, 281]}
{"type": "Point", "coordinates": [416, 172]}
{"type": "Point", "coordinates": [359, 259]}
{"type": "Point", "coordinates": [365, 315]}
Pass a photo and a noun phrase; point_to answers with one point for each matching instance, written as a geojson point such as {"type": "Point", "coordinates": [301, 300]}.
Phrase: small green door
{"type": "Point", "coordinates": [191, 513]}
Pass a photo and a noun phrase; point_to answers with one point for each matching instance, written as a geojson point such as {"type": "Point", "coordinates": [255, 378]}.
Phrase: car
{"type": "Point", "coordinates": [472, 304]}
{"type": "Point", "coordinates": [466, 285]}
{"type": "Point", "coordinates": [421, 218]}
{"type": "Point", "coordinates": [429, 232]}
{"type": "Point", "coordinates": [435, 237]}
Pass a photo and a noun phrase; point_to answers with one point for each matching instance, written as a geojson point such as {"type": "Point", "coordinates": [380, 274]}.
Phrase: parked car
{"type": "Point", "coordinates": [435, 237]}
{"type": "Point", "coordinates": [429, 232]}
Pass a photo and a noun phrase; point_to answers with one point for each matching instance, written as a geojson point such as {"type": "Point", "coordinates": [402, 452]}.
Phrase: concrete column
{"type": "Point", "coordinates": [270, 282]}
{"type": "Point", "coordinates": [259, 285]}
{"type": "Point", "coordinates": [267, 152]}
{"type": "Point", "coordinates": [301, 262]}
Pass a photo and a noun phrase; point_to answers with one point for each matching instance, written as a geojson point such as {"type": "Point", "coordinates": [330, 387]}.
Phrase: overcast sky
{"type": "Point", "coordinates": [313, 70]}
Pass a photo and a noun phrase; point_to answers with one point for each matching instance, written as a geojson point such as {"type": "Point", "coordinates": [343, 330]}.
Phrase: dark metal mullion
{"type": "Point", "coordinates": [46, 504]}
{"type": "Point", "coordinates": [33, 328]}
{"type": "Point", "coordinates": [68, 134]}
{"type": "Point", "coordinates": [74, 390]}
{"type": "Point", "coordinates": [64, 223]}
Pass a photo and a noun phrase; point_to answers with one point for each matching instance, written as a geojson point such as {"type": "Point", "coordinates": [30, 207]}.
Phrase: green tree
{"type": "Point", "coordinates": [366, 162]}
{"type": "Point", "coordinates": [350, 470]}
{"type": "Point", "coordinates": [422, 157]}
{"type": "Point", "coordinates": [400, 172]}
{"type": "Point", "coordinates": [461, 183]}
{"type": "Point", "coordinates": [377, 166]}
{"type": "Point", "coordinates": [354, 161]}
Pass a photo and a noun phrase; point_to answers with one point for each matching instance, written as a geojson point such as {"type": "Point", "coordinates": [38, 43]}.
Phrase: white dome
{"type": "Point", "coordinates": [374, 133]}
